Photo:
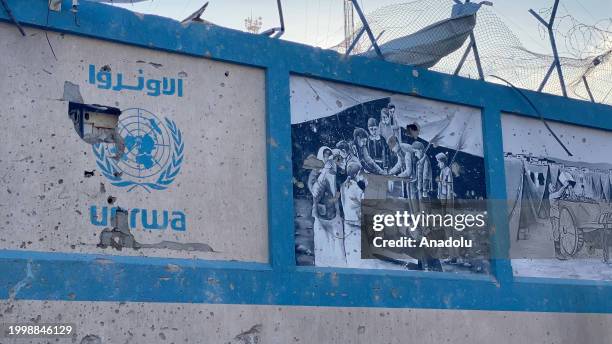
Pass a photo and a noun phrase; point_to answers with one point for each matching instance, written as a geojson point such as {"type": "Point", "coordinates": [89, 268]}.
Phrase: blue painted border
{"type": "Point", "coordinates": [58, 276]}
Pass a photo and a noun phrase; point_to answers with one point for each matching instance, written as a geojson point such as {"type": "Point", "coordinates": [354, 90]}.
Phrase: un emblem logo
{"type": "Point", "coordinates": [152, 156]}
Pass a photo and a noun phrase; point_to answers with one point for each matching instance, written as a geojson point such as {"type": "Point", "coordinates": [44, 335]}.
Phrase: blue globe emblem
{"type": "Point", "coordinates": [152, 155]}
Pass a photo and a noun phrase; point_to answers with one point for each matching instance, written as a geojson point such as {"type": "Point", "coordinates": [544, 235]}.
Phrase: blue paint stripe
{"type": "Point", "coordinates": [280, 187]}
{"type": "Point", "coordinates": [83, 281]}
{"type": "Point", "coordinates": [131, 260]}
{"type": "Point", "coordinates": [496, 190]}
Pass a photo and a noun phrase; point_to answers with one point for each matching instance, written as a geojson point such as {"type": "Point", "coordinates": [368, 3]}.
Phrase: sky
{"type": "Point", "coordinates": [320, 22]}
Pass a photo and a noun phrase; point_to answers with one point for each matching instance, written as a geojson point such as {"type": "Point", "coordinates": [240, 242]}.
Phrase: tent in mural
{"type": "Point", "coordinates": [539, 179]}
{"type": "Point", "coordinates": [524, 198]}
{"type": "Point", "coordinates": [593, 184]}
{"type": "Point", "coordinates": [579, 178]}
{"type": "Point", "coordinates": [606, 185]}
{"type": "Point", "coordinates": [457, 129]}
{"type": "Point", "coordinates": [589, 185]}
{"type": "Point", "coordinates": [554, 170]}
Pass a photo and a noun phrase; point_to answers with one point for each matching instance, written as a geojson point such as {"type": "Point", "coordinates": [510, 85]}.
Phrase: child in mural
{"type": "Point", "coordinates": [446, 197]}
{"type": "Point", "coordinates": [352, 193]}
{"type": "Point", "coordinates": [346, 155]}
{"type": "Point", "coordinates": [327, 228]}
{"type": "Point", "coordinates": [445, 182]}
{"type": "Point", "coordinates": [360, 137]}
{"type": "Point", "coordinates": [566, 191]}
{"type": "Point", "coordinates": [377, 145]}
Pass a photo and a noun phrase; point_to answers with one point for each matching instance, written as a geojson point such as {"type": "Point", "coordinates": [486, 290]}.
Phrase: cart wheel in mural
{"type": "Point", "coordinates": [572, 237]}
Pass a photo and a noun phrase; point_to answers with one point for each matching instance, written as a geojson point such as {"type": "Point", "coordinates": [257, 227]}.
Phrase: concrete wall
{"type": "Point", "coordinates": [111, 322]}
{"type": "Point", "coordinates": [47, 198]}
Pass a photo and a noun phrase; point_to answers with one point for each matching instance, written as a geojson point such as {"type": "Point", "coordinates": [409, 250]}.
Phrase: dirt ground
{"type": "Point", "coordinates": [538, 252]}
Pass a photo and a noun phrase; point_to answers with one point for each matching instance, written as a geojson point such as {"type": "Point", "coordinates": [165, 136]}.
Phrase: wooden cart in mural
{"type": "Point", "coordinates": [585, 221]}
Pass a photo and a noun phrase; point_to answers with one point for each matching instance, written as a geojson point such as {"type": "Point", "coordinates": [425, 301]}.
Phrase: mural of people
{"type": "Point", "coordinates": [357, 156]}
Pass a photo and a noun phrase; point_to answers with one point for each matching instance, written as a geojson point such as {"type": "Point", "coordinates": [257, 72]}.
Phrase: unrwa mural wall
{"type": "Point", "coordinates": [192, 131]}
{"type": "Point", "coordinates": [558, 180]}
{"type": "Point", "coordinates": [352, 143]}
{"type": "Point", "coordinates": [181, 174]}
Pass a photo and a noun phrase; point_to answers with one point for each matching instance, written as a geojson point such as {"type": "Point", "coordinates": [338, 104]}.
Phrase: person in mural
{"type": "Point", "coordinates": [423, 171]}
{"type": "Point", "coordinates": [327, 228]}
{"type": "Point", "coordinates": [406, 167]}
{"type": "Point", "coordinates": [388, 126]}
{"type": "Point", "coordinates": [565, 191]}
{"type": "Point", "coordinates": [446, 196]}
{"type": "Point", "coordinates": [393, 120]}
{"type": "Point", "coordinates": [423, 186]}
{"type": "Point", "coordinates": [377, 145]}
{"type": "Point", "coordinates": [323, 155]}
{"type": "Point", "coordinates": [360, 137]}
{"type": "Point", "coordinates": [351, 194]}
{"type": "Point", "coordinates": [413, 131]}
{"type": "Point", "coordinates": [445, 181]}
{"type": "Point", "coordinates": [346, 153]}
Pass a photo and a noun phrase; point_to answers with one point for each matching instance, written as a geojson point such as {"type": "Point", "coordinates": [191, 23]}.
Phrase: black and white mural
{"type": "Point", "coordinates": [559, 186]}
{"type": "Point", "coordinates": [351, 143]}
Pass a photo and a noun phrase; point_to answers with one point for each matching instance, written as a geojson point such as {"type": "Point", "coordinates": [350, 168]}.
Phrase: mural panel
{"type": "Point", "coordinates": [351, 144]}
{"type": "Point", "coordinates": [558, 181]}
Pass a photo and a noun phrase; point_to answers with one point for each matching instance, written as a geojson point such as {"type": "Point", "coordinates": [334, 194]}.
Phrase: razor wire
{"type": "Point", "coordinates": [587, 52]}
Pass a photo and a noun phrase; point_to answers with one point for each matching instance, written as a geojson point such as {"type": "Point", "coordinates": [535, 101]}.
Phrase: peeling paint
{"type": "Point", "coordinates": [173, 268]}
{"type": "Point", "coordinates": [273, 143]}
{"type": "Point", "coordinates": [23, 283]}
{"type": "Point", "coordinates": [119, 237]}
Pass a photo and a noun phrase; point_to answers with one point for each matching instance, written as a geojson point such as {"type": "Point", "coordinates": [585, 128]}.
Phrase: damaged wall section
{"type": "Point", "coordinates": [179, 143]}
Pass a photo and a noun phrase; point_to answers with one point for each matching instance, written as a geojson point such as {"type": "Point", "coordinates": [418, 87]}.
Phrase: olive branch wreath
{"type": "Point", "coordinates": [110, 171]}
